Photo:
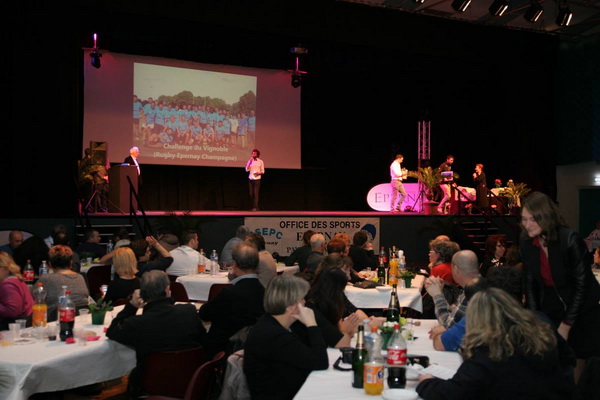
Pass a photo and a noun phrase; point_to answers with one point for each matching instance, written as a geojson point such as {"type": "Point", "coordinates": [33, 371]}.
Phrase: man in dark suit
{"type": "Point", "coordinates": [236, 306]}
{"type": "Point", "coordinates": [131, 159]}
{"type": "Point", "coordinates": [163, 326]}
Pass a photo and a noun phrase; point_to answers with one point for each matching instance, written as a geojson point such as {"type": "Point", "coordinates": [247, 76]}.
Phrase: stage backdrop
{"type": "Point", "coordinates": [379, 197]}
{"type": "Point", "coordinates": [284, 235]}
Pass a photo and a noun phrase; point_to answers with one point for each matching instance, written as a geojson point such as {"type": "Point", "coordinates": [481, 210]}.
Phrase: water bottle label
{"type": "Point", "coordinates": [67, 315]}
{"type": "Point", "coordinates": [396, 356]}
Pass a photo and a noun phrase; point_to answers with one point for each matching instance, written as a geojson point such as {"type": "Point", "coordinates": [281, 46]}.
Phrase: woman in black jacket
{"type": "Point", "coordinates": [558, 278]}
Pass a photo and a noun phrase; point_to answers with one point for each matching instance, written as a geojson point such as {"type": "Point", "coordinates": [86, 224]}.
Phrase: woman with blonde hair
{"type": "Point", "coordinates": [124, 284]}
{"type": "Point", "coordinates": [508, 354]}
{"type": "Point", "coordinates": [15, 298]}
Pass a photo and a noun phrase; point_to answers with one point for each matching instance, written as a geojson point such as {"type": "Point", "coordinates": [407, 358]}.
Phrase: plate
{"type": "Point", "coordinates": [384, 288]}
{"type": "Point", "coordinates": [399, 394]}
{"type": "Point", "coordinates": [23, 341]}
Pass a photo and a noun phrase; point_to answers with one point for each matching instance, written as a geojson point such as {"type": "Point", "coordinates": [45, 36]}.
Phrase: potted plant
{"type": "Point", "coordinates": [514, 192]}
{"type": "Point", "coordinates": [407, 276]}
{"type": "Point", "coordinates": [430, 178]}
{"type": "Point", "coordinates": [98, 311]}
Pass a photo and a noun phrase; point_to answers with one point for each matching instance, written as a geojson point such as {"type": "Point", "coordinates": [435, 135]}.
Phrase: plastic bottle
{"type": "Point", "coordinates": [359, 355]}
{"type": "Point", "coordinates": [109, 246]}
{"type": "Point", "coordinates": [214, 267]}
{"type": "Point", "coordinates": [393, 311]}
{"type": "Point", "coordinates": [382, 256]}
{"type": "Point", "coordinates": [43, 268]}
{"type": "Point", "coordinates": [368, 337]}
{"type": "Point", "coordinates": [63, 292]}
{"type": "Point", "coordinates": [381, 274]}
{"type": "Point", "coordinates": [40, 308]}
{"type": "Point", "coordinates": [202, 263]}
{"type": "Point", "coordinates": [393, 269]}
{"type": "Point", "coordinates": [66, 316]}
{"type": "Point", "coordinates": [28, 273]}
{"type": "Point", "coordinates": [373, 378]}
{"type": "Point", "coordinates": [396, 360]}
{"type": "Point", "coordinates": [401, 260]}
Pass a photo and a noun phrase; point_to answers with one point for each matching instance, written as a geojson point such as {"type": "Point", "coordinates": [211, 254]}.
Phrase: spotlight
{"type": "Point", "coordinates": [498, 8]}
{"type": "Point", "coordinates": [95, 54]}
{"type": "Point", "coordinates": [564, 15]}
{"type": "Point", "coordinates": [534, 12]}
{"type": "Point", "coordinates": [419, 1]}
{"type": "Point", "coordinates": [296, 80]}
{"type": "Point", "coordinates": [460, 5]}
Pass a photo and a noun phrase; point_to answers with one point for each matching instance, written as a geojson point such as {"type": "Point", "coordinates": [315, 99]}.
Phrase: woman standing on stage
{"type": "Point", "coordinates": [558, 277]}
{"type": "Point", "coordinates": [480, 188]}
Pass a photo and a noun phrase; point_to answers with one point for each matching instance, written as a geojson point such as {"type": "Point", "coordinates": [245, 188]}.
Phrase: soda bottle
{"type": "Point", "coordinates": [43, 268]}
{"type": "Point", "coordinates": [393, 311]}
{"type": "Point", "coordinates": [28, 273]}
{"type": "Point", "coordinates": [66, 316]}
{"type": "Point", "coordinates": [381, 274]}
{"type": "Point", "coordinates": [40, 308]}
{"type": "Point", "coordinates": [358, 359]}
{"type": "Point", "coordinates": [202, 263]}
{"type": "Point", "coordinates": [393, 269]}
{"type": "Point", "coordinates": [396, 360]}
{"type": "Point", "coordinates": [373, 376]}
{"type": "Point", "coordinates": [382, 256]}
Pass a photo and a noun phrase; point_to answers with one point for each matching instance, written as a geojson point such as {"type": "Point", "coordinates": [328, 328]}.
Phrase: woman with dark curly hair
{"type": "Point", "coordinates": [558, 277]}
{"type": "Point", "coordinates": [508, 354]}
{"type": "Point", "coordinates": [495, 248]}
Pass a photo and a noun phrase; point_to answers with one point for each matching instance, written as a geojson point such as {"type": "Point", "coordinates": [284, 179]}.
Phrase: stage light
{"type": "Point", "coordinates": [296, 80]}
{"type": "Point", "coordinates": [419, 1]}
{"type": "Point", "coordinates": [534, 12]}
{"type": "Point", "coordinates": [498, 8]}
{"type": "Point", "coordinates": [95, 54]}
{"type": "Point", "coordinates": [564, 15]}
{"type": "Point", "coordinates": [460, 5]}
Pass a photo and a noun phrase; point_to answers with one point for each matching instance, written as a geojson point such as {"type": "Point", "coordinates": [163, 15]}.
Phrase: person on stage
{"type": "Point", "coordinates": [397, 174]}
{"type": "Point", "coordinates": [446, 182]}
{"type": "Point", "coordinates": [480, 187]}
{"type": "Point", "coordinates": [134, 153]}
{"type": "Point", "coordinates": [256, 169]}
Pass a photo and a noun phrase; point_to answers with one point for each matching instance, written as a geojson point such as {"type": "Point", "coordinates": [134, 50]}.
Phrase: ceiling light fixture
{"type": "Point", "coordinates": [498, 8]}
{"type": "Point", "coordinates": [534, 12]}
{"type": "Point", "coordinates": [460, 5]}
{"type": "Point", "coordinates": [564, 15]}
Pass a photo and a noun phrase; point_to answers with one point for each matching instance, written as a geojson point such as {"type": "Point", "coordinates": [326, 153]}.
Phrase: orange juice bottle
{"type": "Point", "coordinates": [373, 376]}
{"type": "Point", "coordinates": [393, 271]}
{"type": "Point", "coordinates": [40, 308]}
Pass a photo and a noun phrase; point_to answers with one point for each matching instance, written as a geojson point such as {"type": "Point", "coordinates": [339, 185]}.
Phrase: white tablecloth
{"type": "Point", "coordinates": [47, 366]}
{"type": "Point", "coordinates": [198, 286]}
{"type": "Point", "coordinates": [337, 385]}
{"type": "Point", "coordinates": [373, 298]}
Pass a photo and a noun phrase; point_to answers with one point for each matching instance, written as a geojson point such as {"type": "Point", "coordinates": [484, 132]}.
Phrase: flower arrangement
{"type": "Point", "coordinates": [406, 274]}
{"type": "Point", "coordinates": [498, 183]}
{"type": "Point", "coordinates": [100, 306]}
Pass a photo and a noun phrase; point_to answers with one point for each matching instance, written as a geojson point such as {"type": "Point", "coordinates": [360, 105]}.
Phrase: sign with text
{"type": "Point", "coordinates": [284, 235]}
{"type": "Point", "coordinates": [380, 196]}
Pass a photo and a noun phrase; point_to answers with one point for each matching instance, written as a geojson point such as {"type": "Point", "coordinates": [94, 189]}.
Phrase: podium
{"type": "Point", "coordinates": [119, 193]}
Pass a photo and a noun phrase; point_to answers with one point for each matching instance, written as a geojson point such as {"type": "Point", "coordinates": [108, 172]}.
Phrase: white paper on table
{"type": "Point", "coordinates": [438, 371]}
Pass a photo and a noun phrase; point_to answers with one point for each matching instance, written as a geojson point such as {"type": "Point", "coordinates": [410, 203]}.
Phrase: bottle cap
{"type": "Point", "coordinates": [373, 328]}
{"type": "Point", "coordinates": [67, 292]}
{"type": "Point", "coordinates": [396, 326]}
{"type": "Point", "coordinates": [39, 284]}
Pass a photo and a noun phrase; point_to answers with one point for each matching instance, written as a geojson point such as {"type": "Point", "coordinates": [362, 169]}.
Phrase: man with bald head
{"type": "Point", "coordinates": [465, 268]}
{"type": "Point", "coordinates": [15, 238]}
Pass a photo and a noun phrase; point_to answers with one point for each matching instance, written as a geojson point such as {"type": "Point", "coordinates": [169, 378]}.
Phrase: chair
{"type": "Point", "coordinates": [168, 373]}
{"type": "Point", "coordinates": [235, 386]}
{"type": "Point", "coordinates": [96, 277]}
{"type": "Point", "coordinates": [215, 289]}
{"type": "Point", "coordinates": [178, 292]}
{"type": "Point", "coordinates": [202, 383]}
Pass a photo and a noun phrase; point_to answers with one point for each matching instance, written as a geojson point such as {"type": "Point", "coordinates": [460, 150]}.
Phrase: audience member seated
{"type": "Point", "coordinates": [361, 252]}
{"type": "Point", "coordinates": [508, 354]}
{"type": "Point", "coordinates": [327, 296]}
{"type": "Point", "coordinates": [126, 282]}
{"type": "Point", "coordinates": [60, 260]}
{"type": "Point", "coordinates": [59, 228]}
{"type": "Point", "coordinates": [513, 257]}
{"type": "Point", "coordinates": [596, 264]}
{"type": "Point", "coordinates": [338, 246]}
{"type": "Point", "coordinates": [63, 238]}
{"type": "Point", "coordinates": [276, 361]}
{"type": "Point", "coordinates": [236, 306]}
{"type": "Point", "coordinates": [315, 257]}
{"type": "Point", "coordinates": [346, 239]}
{"type": "Point", "coordinates": [91, 245]}
{"type": "Point", "coordinates": [465, 268]}
{"type": "Point", "coordinates": [33, 249]}
{"type": "Point", "coordinates": [186, 256]}
{"type": "Point", "coordinates": [300, 255]}
{"type": "Point", "coordinates": [267, 268]}
{"type": "Point", "coordinates": [121, 238]}
{"type": "Point", "coordinates": [495, 248]}
{"type": "Point", "coordinates": [15, 298]}
{"type": "Point", "coordinates": [15, 239]}
{"type": "Point", "coordinates": [240, 233]}
{"type": "Point", "coordinates": [440, 256]}
{"type": "Point", "coordinates": [163, 326]}
{"type": "Point", "coordinates": [141, 249]}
